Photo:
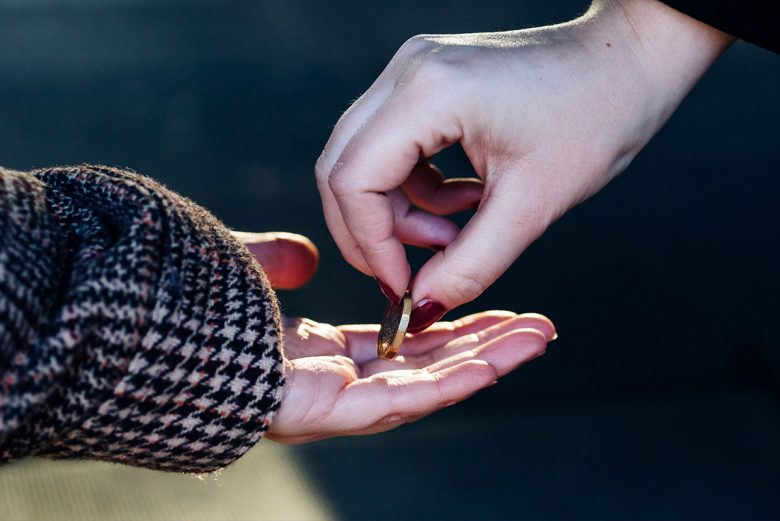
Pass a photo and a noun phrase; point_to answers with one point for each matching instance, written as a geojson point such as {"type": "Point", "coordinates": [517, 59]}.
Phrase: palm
{"type": "Point", "coordinates": [337, 386]}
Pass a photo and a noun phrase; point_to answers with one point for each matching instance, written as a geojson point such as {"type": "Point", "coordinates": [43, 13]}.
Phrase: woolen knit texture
{"type": "Point", "coordinates": [133, 327]}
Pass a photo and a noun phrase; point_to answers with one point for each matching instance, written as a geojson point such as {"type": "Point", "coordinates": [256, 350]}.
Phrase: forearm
{"type": "Point", "coordinates": [135, 329]}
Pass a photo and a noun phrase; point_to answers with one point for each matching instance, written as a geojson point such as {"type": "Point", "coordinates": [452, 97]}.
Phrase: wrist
{"type": "Point", "coordinates": [671, 50]}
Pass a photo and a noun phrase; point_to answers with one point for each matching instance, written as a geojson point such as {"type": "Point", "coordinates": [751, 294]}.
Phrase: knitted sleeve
{"type": "Point", "coordinates": [133, 327]}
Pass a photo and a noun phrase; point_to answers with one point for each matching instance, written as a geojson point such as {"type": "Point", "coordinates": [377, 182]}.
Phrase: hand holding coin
{"type": "Point", "coordinates": [337, 385]}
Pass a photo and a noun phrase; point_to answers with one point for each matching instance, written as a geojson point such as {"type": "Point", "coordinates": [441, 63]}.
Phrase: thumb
{"type": "Point", "coordinates": [505, 224]}
{"type": "Point", "coordinates": [288, 259]}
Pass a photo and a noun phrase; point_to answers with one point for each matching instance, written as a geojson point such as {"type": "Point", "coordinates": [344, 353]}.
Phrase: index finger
{"type": "Point", "coordinates": [378, 159]}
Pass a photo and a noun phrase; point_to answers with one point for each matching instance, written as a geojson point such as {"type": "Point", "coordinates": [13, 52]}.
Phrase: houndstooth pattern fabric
{"type": "Point", "coordinates": [133, 327]}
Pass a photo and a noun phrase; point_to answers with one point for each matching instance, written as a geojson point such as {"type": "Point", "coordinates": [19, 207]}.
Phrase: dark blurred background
{"type": "Point", "coordinates": [661, 398]}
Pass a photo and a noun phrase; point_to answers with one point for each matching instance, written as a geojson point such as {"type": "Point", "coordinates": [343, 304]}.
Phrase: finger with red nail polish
{"type": "Point", "coordinates": [425, 313]}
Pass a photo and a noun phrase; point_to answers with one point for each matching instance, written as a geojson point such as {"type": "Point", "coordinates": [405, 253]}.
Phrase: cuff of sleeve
{"type": "Point", "coordinates": [167, 337]}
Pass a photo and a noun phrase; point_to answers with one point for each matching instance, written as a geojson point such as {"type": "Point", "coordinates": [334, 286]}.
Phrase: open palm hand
{"type": "Point", "coordinates": [337, 386]}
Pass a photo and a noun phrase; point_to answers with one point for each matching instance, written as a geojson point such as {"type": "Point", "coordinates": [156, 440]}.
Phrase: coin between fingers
{"type": "Point", "coordinates": [393, 328]}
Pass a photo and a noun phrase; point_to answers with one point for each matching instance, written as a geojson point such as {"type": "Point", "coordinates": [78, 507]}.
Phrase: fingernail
{"type": "Point", "coordinates": [425, 313]}
{"type": "Point", "coordinates": [436, 247]}
{"type": "Point", "coordinates": [388, 292]}
{"type": "Point", "coordinates": [554, 337]}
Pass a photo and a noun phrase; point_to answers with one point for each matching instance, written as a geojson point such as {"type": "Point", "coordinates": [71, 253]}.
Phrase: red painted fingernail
{"type": "Point", "coordinates": [436, 247]}
{"type": "Point", "coordinates": [388, 292]}
{"type": "Point", "coordinates": [425, 313]}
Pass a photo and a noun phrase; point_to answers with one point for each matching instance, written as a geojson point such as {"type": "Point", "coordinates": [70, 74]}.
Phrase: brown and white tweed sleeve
{"type": "Point", "coordinates": [133, 327]}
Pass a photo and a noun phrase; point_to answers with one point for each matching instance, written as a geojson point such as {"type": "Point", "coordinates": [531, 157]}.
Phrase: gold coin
{"type": "Point", "coordinates": [393, 328]}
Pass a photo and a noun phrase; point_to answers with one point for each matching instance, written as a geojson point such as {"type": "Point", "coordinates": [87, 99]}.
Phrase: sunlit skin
{"type": "Point", "coordinates": [547, 116]}
{"type": "Point", "coordinates": [336, 385]}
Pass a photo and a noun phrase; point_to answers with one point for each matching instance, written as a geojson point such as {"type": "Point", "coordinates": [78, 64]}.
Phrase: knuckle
{"type": "Point", "coordinates": [320, 167]}
{"type": "Point", "coordinates": [339, 183]}
{"type": "Point", "coordinates": [428, 62]}
{"type": "Point", "coordinates": [464, 287]}
{"type": "Point", "coordinates": [416, 44]}
{"type": "Point", "coordinates": [376, 243]}
{"type": "Point", "coordinates": [432, 71]}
